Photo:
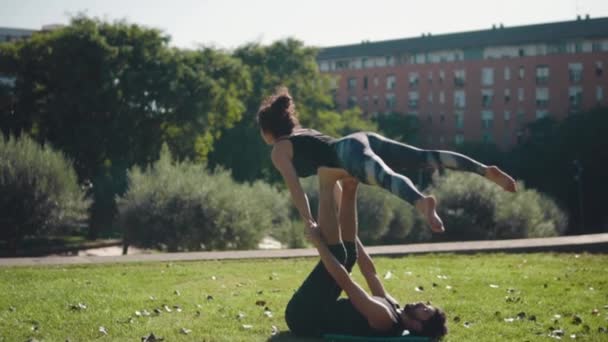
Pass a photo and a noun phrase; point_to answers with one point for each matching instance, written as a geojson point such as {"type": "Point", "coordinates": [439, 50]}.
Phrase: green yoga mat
{"type": "Point", "coordinates": [340, 338]}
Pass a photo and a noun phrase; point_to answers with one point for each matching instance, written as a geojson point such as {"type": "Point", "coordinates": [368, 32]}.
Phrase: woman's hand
{"type": "Point", "coordinates": [313, 234]}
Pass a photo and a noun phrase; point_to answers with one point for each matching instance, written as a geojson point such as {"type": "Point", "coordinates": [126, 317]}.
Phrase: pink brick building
{"type": "Point", "coordinates": [476, 86]}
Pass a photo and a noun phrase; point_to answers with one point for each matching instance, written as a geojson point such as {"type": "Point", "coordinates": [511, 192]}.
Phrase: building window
{"type": "Point", "coordinates": [599, 94]}
{"type": "Point", "coordinates": [507, 95]}
{"type": "Point", "coordinates": [391, 101]}
{"type": "Point", "coordinates": [352, 83]}
{"type": "Point", "coordinates": [599, 68]}
{"type": "Point", "coordinates": [542, 74]}
{"type": "Point", "coordinates": [414, 79]}
{"type": "Point", "coordinates": [365, 102]}
{"type": "Point", "coordinates": [541, 113]}
{"type": "Point", "coordinates": [352, 101]}
{"type": "Point", "coordinates": [442, 118]}
{"type": "Point", "coordinates": [376, 81]}
{"type": "Point", "coordinates": [459, 99]}
{"type": "Point", "coordinates": [487, 137]}
{"type": "Point", "coordinates": [391, 82]}
{"type": "Point", "coordinates": [375, 100]}
{"type": "Point", "coordinates": [520, 94]}
{"type": "Point", "coordinates": [441, 97]}
{"type": "Point", "coordinates": [487, 76]}
{"type": "Point", "coordinates": [487, 96]}
{"type": "Point", "coordinates": [324, 66]}
{"type": "Point", "coordinates": [522, 72]}
{"type": "Point", "coordinates": [441, 76]}
{"type": "Point", "coordinates": [542, 97]}
{"type": "Point", "coordinates": [343, 64]}
{"type": "Point", "coordinates": [459, 139]}
{"type": "Point", "coordinates": [575, 96]}
{"type": "Point", "coordinates": [522, 53]}
{"type": "Point", "coordinates": [365, 83]}
{"type": "Point", "coordinates": [459, 78]}
{"type": "Point", "coordinates": [487, 119]}
{"type": "Point", "coordinates": [430, 97]}
{"type": "Point", "coordinates": [430, 77]}
{"type": "Point", "coordinates": [575, 70]}
{"type": "Point", "coordinates": [521, 116]}
{"type": "Point", "coordinates": [507, 74]}
{"type": "Point", "coordinates": [413, 100]}
{"type": "Point", "coordinates": [507, 115]}
{"type": "Point", "coordinates": [430, 119]}
{"type": "Point", "coordinates": [459, 120]}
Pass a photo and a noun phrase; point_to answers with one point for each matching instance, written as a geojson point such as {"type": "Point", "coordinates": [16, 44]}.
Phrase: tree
{"type": "Point", "coordinates": [109, 94]}
{"type": "Point", "coordinates": [293, 65]}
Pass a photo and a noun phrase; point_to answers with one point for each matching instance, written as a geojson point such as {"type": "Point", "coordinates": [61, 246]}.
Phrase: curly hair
{"type": "Point", "coordinates": [277, 114]}
{"type": "Point", "coordinates": [434, 327]}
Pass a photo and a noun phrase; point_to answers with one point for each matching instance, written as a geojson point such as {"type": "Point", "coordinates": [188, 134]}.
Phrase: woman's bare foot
{"type": "Point", "coordinates": [497, 176]}
{"type": "Point", "coordinates": [426, 206]}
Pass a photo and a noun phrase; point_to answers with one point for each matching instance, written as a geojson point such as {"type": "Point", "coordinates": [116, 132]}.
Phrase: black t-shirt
{"type": "Point", "coordinates": [341, 317]}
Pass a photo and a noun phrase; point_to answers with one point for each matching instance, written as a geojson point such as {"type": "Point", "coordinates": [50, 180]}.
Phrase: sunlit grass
{"type": "Point", "coordinates": [482, 295]}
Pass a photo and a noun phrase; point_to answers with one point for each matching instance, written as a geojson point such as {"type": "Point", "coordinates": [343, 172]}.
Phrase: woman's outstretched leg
{"type": "Point", "coordinates": [402, 157]}
{"type": "Point", "coordinates": [356, 157]}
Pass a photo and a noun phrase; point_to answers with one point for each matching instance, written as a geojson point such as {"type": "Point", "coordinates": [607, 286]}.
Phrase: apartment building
{"type": "Point", "coordinates": [476, 86]}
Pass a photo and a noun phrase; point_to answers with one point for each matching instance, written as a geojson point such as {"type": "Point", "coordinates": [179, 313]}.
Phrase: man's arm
{"type": "Point", "coordinates": [280, 159]}
{"type": "Point", "coordinates": [376, 313]}
{"type": "Point", "coordinates": [368, 270]}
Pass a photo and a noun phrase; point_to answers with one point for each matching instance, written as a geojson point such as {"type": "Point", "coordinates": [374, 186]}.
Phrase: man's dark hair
{"type": "Point", "coordinates": [434, 327]}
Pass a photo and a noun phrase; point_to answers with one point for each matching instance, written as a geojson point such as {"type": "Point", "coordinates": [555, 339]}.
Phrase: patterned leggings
{"type": "Point", "coordinates": [376, 160]}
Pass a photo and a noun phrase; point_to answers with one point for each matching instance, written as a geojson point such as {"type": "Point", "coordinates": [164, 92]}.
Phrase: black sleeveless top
{"type": "Point", "coordinates": [311, 150]}
{"type": "Point", "coordinates": [343, 318]}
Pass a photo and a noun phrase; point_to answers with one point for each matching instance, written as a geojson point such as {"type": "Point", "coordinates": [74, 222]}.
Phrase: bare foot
{"type": "Point", "coordinates": [497, 176]}
{"type": "Point", "coordinates": [426, 206]}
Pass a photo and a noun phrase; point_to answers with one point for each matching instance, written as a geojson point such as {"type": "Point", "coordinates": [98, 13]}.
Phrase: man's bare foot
{"type": "Point", "coordinates": [426, 206]}
{"type": "Point", "coordinates": [497, 176]}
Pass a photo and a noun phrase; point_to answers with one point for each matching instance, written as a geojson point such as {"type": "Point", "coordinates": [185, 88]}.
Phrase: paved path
{"type": "Point", "coordinates": [580, 243]}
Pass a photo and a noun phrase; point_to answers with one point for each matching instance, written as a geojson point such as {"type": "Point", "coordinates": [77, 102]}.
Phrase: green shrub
{"type": "Point", "coordinates": [182, 206]}
{"type": "Point", "coordinates": [39, 191]}
{"type": "Point", "coordinates": [473, 208]}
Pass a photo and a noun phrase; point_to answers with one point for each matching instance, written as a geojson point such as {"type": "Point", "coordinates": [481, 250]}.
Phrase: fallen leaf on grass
{"type": "Point", "coordinates": [557, 334]}
{"type": "Point", "coordinates": [419, 288]}
{"type": "Point", "coordinates": [209, 297]}
{"type": "Point", "coordinates": [151, 338]}
{"type": "Point", "coordinates": [274, 331]}
{"type": "Point", "coordinates": [185, 331]}
{"type": "Point", "coordinates": [467, 324]}
{"type": "Point", "coordinates": [388, 275]}
{"type": "Point", "coordinates": [494, 286]}
{"type": "Point", "coordinates": [247, 326]}
{"type": "Point", "coordinates": [78, 307]}
{"type": "Point", "coordinates": [509, 320]}
{"type": "Point", "coordinates": [457, 319]}
{"type": "Point", "coordinates": [442, 276]}
{"type": "Point", "coordinates": [12, 308]}
{"type": "Point", "coordinates": [595, 312]}
{"type": "Point", "coordinates": [167, 308]}
{"type": "Point", "coordinates": [240, 315]}
{"type": "Point", "coordinates": [576, 319]}
{"type": "Point", "coordinates": [268, 314]}
{"type": "Point", "coordinates": [103, 330]}
{"type": "Point", "coordinates": [177, 293]}
{"type": "Point", "coordinates": [521, 315]}
{"type": "Point", "coordinates": [260, 302]}
{"type": "Point", "coordinates": [138, 313]}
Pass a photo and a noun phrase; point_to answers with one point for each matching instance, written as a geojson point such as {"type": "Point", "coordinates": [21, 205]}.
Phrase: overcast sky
{"type": "Point", "coordinates": [231, 23]}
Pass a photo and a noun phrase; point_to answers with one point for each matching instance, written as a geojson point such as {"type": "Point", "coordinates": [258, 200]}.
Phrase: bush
{"type": "Point", "coordinates": [182, 206]}
{"type": "Point", "coordinates": [473, 208]}
{"type": "Point", "coordinates": [40, 191]}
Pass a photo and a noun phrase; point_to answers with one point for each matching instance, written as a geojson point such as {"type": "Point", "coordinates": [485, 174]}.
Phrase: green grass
{"type": "Point", "coordinates": [35, 301]}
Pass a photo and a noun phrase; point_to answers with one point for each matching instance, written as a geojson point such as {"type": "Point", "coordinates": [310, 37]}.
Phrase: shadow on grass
{"type": "Point", "coordinates": [286, 336]}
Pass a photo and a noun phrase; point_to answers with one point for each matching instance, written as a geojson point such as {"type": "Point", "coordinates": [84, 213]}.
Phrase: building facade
{"type": "Point", "coordinates": [476, 86]}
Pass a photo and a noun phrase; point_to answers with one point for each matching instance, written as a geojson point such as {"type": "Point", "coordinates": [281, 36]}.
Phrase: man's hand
{"type": "Point", "coordinates": [313, 234]}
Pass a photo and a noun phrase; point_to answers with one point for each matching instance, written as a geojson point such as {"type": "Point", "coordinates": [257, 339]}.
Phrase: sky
{"type": "Point", "coordinates": [231, 23]}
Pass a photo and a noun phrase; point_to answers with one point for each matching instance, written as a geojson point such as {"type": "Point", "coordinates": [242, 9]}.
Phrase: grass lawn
{"type": "Point", "coordinates": [489, 297]}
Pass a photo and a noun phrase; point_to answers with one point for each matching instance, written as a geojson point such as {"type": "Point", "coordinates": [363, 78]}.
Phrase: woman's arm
{"type": "Point", "coordinates": [375, 312]}
{"type": "Point", "coordinates": [282, 161]}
